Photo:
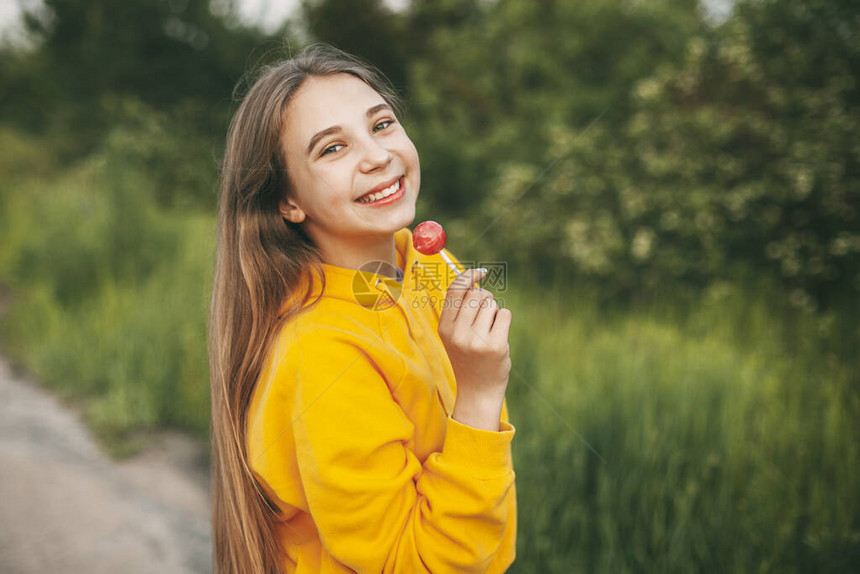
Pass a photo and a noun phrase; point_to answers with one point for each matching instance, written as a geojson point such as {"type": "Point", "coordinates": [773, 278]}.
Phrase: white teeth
{"type": "Point", "coordinates": [395, 187]}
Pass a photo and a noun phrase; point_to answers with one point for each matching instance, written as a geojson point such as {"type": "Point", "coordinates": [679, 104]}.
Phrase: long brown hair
{"type": "Point", "coordinates": [261, 262]}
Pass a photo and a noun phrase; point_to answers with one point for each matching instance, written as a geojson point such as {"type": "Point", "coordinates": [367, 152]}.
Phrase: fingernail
{"type": "Point", "coordinates": [482, 269]}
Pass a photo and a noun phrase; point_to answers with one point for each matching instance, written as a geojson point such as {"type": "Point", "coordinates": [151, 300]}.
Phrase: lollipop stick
{"type": "Point", "coordinates": [449, 262]}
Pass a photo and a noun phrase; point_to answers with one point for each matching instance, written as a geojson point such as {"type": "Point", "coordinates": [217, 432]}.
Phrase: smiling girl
{"type": "Point", "coordinates": [347, 436]}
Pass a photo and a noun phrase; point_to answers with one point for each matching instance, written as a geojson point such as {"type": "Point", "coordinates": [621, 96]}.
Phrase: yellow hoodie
{"type": "Point", "coordinates": [350, 432]}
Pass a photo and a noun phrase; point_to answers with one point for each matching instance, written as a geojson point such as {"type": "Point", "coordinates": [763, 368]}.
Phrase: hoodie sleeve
{"type": "Point", "coordinates": [376, 506]}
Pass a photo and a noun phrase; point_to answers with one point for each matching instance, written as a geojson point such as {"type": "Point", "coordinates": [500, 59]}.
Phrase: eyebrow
{"type": "Point", "coordinates": [334, 129]}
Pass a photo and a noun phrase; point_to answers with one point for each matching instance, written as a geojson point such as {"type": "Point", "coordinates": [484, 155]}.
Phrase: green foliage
{"type": "Point", "coordinates": [135, 356]}
{"type": "Point", "coordinates": [490, 87]}
{"type": "Point", "coordinates": [94, 227]}
{"type": "Point", "coordinates": [366, 28]}
{"type": "Point", "coordinates": [689, 155]}
{"type": "Point", "coordinates": [717, 439]}
{"type": "Point", "coordinates": [177, 161]}
{"type": "Point", "coordinates": [177, 55]}
{"type": "Point", "coordinates": [111, 295]}
{"type": "Point", "coordinates": [163, 52]}
{"type": "Point", "coordinates": [731, 158]}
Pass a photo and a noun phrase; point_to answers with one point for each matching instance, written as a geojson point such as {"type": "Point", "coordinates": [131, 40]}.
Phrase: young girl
{"type": "Point", "coordinates": [347, 436]}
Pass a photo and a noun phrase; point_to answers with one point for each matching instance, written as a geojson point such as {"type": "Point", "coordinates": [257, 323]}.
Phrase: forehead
{"type": "Point", "coordinates": [325, 101]}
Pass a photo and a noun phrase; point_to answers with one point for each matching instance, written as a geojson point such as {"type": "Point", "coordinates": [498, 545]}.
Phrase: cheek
{"type": "Point", "coordinates": [301, 185]}
{"type": "Point", "coordinates": [407, 151]}
{"type": "Point", "coordinates": [412, 152]}
{"type": "Point", "coordinates": [332, 194]}
{"type": "Point", "coordinates": [326, 192]}
{"type": "Point", "coordinates": [416, 165]}
{"type": "Point", "coordinates": [334, 201]}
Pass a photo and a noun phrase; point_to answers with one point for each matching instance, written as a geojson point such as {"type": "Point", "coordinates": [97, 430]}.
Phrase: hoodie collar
{"type": "Point", "coordinates": [339, 280]}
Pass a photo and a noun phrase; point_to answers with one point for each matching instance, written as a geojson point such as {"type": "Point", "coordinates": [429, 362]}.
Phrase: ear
{"type": "Point", "coordinates": [290, 211]}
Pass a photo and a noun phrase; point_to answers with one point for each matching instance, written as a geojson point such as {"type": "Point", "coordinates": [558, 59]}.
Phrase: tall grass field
{"type": "Point", "coordinates": [712, 432]}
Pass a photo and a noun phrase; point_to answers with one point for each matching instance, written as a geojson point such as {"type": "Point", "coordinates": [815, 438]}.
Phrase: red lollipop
{"type": "Point", "coordinates": [429, 239]}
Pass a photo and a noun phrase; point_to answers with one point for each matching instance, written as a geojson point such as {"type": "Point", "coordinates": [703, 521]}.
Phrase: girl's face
{"type": "Point", "coordinates": [342, 141]}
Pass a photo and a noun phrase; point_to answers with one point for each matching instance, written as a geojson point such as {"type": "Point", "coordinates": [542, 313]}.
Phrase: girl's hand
{"type": "Point", "coordinates": [474, 331]}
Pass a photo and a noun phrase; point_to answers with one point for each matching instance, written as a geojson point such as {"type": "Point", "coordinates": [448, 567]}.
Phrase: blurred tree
{"type": "Point", "coordinates": [26, 89]}
{"type": "Point", "coordinates": [743, 156]}
{"type": "Point", "coordinates": [494, 79]}
{"type": "Point", "coordinates": [144, 82]}
{"type": "Point", "coordinates": [161, 52]}
{"type": "Point", "coordinates": [424, 18]}
{"type": "Point", "coordinates": [366, 28]}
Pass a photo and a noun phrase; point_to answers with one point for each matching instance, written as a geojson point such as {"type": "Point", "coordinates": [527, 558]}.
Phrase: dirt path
{"type": "Point", "coordinates": [66, 507]}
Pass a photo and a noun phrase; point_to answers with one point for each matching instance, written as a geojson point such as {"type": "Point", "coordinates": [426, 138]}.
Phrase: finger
{"type": "Point", "coordinates": [467, 279]}
{"type": "Point", "coordinates": [471, 305]}
{"type": "Point", "coordinates": [501, 326]}
{"type": "Point", "coordinates": [485, 316]}
{"type": "Point", "coordinates": [457, 291]}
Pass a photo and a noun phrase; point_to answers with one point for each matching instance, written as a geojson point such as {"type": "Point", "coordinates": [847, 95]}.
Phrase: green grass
{"type": "Point", "coordinates": [110, 298]}
{"type": "Point", "coordinates": [721, 441]}
{"type": "Point", "coordinates": [134, 356]}
{"type": "Point", "coordinates": [707, 433]}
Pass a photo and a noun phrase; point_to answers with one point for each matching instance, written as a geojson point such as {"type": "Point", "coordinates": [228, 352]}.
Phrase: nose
{"type": "Point", "coordinates": [374, 156]}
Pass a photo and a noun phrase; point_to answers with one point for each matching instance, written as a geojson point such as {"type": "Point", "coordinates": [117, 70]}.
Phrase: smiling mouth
{"type": "Point", "coordinates": [380, 195]}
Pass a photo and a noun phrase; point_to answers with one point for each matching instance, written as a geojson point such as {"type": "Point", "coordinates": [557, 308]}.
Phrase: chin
{"type": "Point", "coordinates": [403, 216]}
{"type": "Point", "coordinates": [407, 219]}
{"type": "Point", "coordinates": [400, 218]}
